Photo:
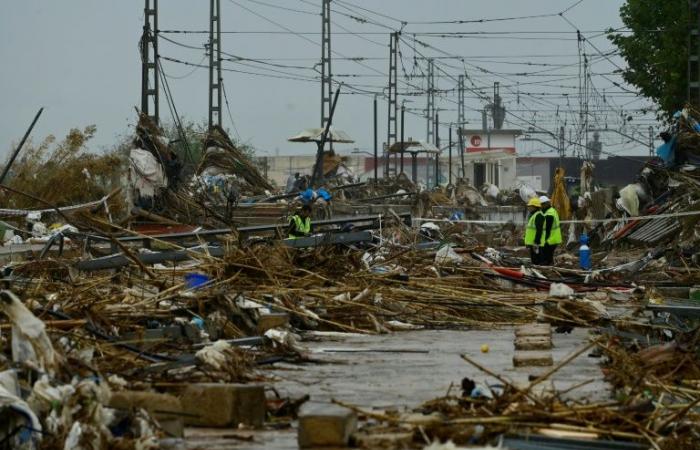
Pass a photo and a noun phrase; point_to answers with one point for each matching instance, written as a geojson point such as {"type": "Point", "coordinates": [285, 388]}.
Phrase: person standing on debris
{"type": "Point", "coordinates": [535, 221]}
{"type": "Point", "coordinates": [291, 182]}
{"type": "Point", "coordinates": [300, 223]}
{"type": "Point", "coordinates": [551, 234]}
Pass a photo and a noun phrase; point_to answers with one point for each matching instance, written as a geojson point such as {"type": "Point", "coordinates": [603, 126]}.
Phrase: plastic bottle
{"type": "Point", "coordinates": [584, 253]}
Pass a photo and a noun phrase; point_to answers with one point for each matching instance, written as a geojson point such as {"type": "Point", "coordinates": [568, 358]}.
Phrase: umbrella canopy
{"type": "Point", "coordinates": [314, 135]}
{"type": "Point", "coordinates": [413, 147]}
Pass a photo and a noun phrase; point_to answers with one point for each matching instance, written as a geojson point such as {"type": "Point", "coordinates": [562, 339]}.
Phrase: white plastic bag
{"type": "Point", "coordinates": [560, 290]}
{"type": "Point", "coordinates": [446, 255]}
{"type": "Point", "coordinates": [30, 343]}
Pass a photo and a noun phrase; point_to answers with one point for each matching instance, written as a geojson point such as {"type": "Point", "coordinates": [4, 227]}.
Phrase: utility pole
{"type": "Point", "coordinates": [149, 62]}
{"type": "Point", "coordinates": [460, 139]}
{"type": "Point", "coordinates": [376, 145]}
{"type": "Point", "coordinates": [214, 63]}
{"type": "Point", "coordinates": [430, 108]}
{"type": "Point", "coordinates": [317, 176]}
{"type": "Point", "coordinates": [651, 141]}
{"type": "Point", "coordinates": [437, 144]}
{"type": "Point", "coordinates": [694, 54]}
{"type": "Point", "coordinates": [391, 129]}
{"type": "Point", "coordinates": [414, 167]}
{"type": "Point", "coordinates": [460, 101]}
{"type": "Point", "coordinates": [562, 145]}
{"type": "Point", "coordinates": [449, 158]}
{"type": "Point", "coordinates": [326, 74]}
{"type": "Point", "coordinates": [403, 114]}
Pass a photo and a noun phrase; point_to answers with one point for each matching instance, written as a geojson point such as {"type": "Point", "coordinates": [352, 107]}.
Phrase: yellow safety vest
{"type": "Point", "coordinates": [555, 234]}
{"type": "Point", "coordinates": [301, 226]}
{"type": "Point", "coordinates": [530, 230]}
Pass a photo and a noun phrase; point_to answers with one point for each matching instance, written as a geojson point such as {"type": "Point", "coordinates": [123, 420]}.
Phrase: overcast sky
{"type": "Point", "coordinates": [79, 59]}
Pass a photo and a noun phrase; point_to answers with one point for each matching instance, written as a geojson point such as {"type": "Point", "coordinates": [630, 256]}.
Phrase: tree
{"type": "Point", "coordinates": [63, 173]}
{"type": "Point", "coordinates": [656, 50]}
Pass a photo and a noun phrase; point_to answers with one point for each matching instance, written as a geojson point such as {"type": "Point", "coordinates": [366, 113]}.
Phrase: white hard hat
{"type": "Point", "coordinates": [544, 199]}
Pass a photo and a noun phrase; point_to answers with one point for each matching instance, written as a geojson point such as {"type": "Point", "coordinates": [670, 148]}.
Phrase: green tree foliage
{"type": "Point", "coordinates": [62, 173]}
{"type": "Point", "coordinates": [657, 50]}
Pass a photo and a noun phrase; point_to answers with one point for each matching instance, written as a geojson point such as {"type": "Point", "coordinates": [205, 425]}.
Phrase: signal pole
{"type": "Point", "coordinates": [214, 63]}
{"type": "Point", "coordinates": [149, 62]}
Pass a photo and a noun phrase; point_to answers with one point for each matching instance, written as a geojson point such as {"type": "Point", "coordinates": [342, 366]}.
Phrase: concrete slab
{"type": "Point", "coordinates": [223, 405]}
{"type": "Point", "coordinates": [534, 329]}
{"type": "Point", "coordinates": [322, 425]}
{"type": "Point", "coordinates": [530, 358]}
{"type": "Point", "coordinates": [533, 343]}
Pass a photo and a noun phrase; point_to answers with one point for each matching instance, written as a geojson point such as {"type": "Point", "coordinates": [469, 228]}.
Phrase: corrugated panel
{"type": "Point", "coordinates": [654, 230]}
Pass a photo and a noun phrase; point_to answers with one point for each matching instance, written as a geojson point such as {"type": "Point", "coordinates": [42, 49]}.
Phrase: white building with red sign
{"type": "Point", "coordinates": [490, 157]}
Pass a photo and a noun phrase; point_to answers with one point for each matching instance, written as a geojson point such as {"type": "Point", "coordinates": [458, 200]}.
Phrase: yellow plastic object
{"type": "Point", "coordinates": [560, 200]}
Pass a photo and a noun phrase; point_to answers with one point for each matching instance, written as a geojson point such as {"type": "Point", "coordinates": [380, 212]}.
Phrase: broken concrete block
{"type": "Point", "coordinates": [325, 426]}
{"type": "Point", "coordinates": [165, 408]}
{"type": "Point", "coordinates": [533, 329]}
{"type": "Point", "coordinates": [532, 358]}
{"type": "Point", "coordinates": [385, 440]}
{"type": "Point", "coordinates": [533, 343]}
{"type": "Point", "coordinates": [223, 405]}
{"type": "Point", "coordinates": [272, 320]}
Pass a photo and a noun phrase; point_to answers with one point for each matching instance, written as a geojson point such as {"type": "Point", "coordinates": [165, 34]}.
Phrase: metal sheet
{"type": "Point", "coordinates": [329, 239]}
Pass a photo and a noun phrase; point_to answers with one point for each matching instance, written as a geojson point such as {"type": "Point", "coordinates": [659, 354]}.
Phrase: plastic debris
{"type": "Point", "coordinates": [560, 290]}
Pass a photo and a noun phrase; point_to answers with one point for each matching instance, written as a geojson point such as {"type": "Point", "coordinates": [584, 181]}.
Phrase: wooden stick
{"type": "Point", "coordinates": [501, 379]}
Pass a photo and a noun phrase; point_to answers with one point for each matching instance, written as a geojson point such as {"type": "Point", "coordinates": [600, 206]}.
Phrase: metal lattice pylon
{"type": "Point", "coordinates": [214, 63]}
{"type": "Point", "coordinates": [430, 108]}
{"type": "Point", "coordinates": [392, 127]}
{"type": "Point", "coordinates": [149, 66]}
{"type": "Point", "coordinates": [326, 74]}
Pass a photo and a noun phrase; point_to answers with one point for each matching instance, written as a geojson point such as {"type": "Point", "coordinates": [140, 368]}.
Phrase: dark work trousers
{"type": "Point", "coordinates": [535, 258]}
{"type": "Point", "coordinates": [547, 257]}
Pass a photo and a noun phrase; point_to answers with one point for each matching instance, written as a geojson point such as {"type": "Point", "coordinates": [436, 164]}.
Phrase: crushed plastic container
{"type": "Point", "coordinates": [195, 280]}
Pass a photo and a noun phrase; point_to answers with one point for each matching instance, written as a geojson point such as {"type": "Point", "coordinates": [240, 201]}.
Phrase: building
{"type": "Point", "coordinates": [490, 157]}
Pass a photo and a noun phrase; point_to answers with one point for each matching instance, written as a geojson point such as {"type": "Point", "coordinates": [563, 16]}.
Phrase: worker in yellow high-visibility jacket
{"type": "Point", "coordinates": [551, 233]}
{"type": "Point", "coordinates": [535, 221]}
{"type": "Point", "coordinates": [300, 223]}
